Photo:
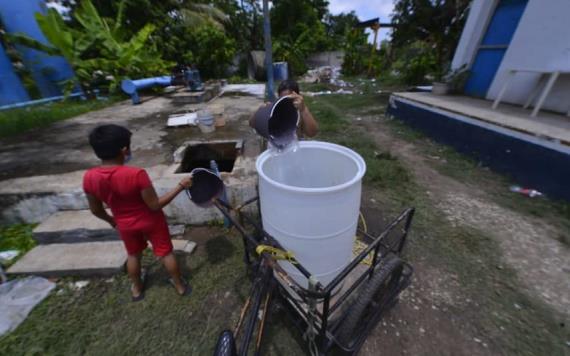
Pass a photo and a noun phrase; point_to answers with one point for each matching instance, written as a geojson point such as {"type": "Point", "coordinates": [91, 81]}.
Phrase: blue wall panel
{"type": "Point", "coordinates": [483, 71]}
{"type": "Point", "coordinates": [11, 88]}
{"type": "Point", "coordinates": [499, 33]}
{"type": "Point", "coordinates": [47, 71]}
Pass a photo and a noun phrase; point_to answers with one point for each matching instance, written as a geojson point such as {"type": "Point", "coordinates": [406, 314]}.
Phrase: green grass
{"type": "Point", "coordinates": [101, 320]}
{"type": "Point", "coordinates": [17, 237]}
{"type": "Point", "coordinates": [16, 121]}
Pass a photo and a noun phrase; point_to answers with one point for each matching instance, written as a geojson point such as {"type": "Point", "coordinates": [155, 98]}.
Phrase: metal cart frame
{"type": "Point", "coordinates": [329, 316]}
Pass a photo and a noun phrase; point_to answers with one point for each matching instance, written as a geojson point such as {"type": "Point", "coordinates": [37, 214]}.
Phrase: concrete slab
{"type": "Point", "coordinates": [74, 226]}
{"type": "Point", "coordinates": [186, 97]}
{"type": "Point", "coordinates": [548, 125]}
{"type": "Point", "coordinates": [85, 259]}
{"type": "Point", "coordinates": [41, 172]}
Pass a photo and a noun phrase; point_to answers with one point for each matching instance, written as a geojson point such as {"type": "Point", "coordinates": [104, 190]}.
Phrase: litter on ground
{"type": "Point", "coordinates": [18, 298]}
{"type": "Point", "coordinates": [329, 92]}
{"type": "Point", "coordinates": [7, 256]}
{"type": "Point", "coordinates": [251, 89]}
{"type": "Point", "coordinates": [189, 119]}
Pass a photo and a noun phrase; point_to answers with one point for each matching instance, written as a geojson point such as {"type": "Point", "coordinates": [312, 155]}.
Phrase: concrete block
{"type": "Point", "coordinates": [85, 259]}
{"type": "Point", "coordinates": [39, 207]}
{"type": "Point", "coordinates": [184, 246]}
{"type": "Point", "coordinates": [74, 226]}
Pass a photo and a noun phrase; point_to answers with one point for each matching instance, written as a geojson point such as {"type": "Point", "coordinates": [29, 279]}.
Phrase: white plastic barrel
{"type": "Point", "coordinates": [310, 202]}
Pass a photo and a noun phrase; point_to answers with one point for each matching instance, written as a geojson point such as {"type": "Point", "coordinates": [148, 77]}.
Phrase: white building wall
{"type": "Point", "coordinates": [542, 41]}
{"type": "Point", "coordinates": [480, 12]}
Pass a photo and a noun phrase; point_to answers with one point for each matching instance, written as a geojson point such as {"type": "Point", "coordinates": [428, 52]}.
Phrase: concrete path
{"type": "Point", "coordinates": [83, 259]}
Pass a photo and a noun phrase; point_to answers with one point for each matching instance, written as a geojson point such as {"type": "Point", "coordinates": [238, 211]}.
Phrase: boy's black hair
{"type": "Point", "coordinates": [108, 140]}
{"type": "Point", "coordinates": [288, 84]}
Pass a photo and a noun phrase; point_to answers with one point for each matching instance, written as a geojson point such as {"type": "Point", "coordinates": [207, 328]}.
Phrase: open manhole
{"type": "Point", "coordinates": [200, 155]}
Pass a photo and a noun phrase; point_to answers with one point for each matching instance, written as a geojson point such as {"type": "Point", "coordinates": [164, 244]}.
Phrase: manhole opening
{"type": "Point", "coordinates": [200, 156]}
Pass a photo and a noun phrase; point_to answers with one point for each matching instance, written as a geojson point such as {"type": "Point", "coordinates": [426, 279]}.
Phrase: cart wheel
{"type": "Point", "coordinates": [226, 345]}
{"type": "Point", "coordinates": [377, 293]}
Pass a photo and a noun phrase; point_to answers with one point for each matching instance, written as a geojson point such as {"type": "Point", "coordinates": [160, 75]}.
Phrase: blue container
{"type": "Point", "coordinates": [280, 71]}
{"type": "Point", "coordinates": [11, 89]}
{"type": "Point", "coordinates": [48, 71]}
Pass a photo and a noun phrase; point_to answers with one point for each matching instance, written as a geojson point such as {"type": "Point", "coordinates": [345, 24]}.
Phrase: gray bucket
{"type": "Point", "coordinates": [277, 122]}
{"type": "Point", "coordinates": [206, 187]}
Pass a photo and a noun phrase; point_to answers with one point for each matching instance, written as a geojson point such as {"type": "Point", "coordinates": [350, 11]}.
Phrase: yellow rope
{"type": "Point", "coordinates": [357, 249]}
{"type": "Point", "coordinates": [363, 221]}
{"type": "Point", "coordinates": [276, 253]}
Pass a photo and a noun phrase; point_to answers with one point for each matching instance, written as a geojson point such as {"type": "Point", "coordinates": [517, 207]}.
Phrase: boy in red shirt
{"type": "Point", "coordinates": [136, 208]}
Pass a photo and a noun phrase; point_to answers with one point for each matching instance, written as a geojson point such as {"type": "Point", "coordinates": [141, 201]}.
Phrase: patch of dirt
{"type": "Point", "coordinates": [528, 245]}
{"type": "Point", "coordinates": [430, 316]}
{"type": "Point", "coordinates": [425, 321]}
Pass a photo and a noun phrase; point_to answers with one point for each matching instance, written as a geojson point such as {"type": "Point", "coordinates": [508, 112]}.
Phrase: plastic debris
{"type": "Point", "coordinates": [18, 298]}
{"type": "Point", "coordinates": [182, 120]}
{"type": "Point", "coordinates": [526, 191]}
{"type": "Point", "coordinates": [249, 89]}
{"type": "Point", "coordinates": [329, 92]}
{"type": "Point", "coordinates": [325, 74]}
{"type": "Point", "coordinates": [80, 284]}
{"type": "Point", "coordinates": [7, 256]}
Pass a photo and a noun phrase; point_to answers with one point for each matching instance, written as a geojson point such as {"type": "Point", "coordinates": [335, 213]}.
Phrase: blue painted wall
{"type": "Point", "coordinates": [11, 88]}
{"type": "Point", "coordinates": [541, 166]}
{"type": "Point", "coordinates": [499, 33]}
{"type": "Point", "coordinates": [47, 71]}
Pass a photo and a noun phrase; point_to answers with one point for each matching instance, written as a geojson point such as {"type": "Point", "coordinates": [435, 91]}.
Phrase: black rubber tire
{"type": "Point", "coordinates": [386, 277]}
{"type": "Point", "coordinates": [226, 345]}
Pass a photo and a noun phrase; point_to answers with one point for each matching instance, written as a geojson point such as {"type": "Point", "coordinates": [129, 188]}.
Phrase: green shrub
{"type": "Point", "coordinates": [212, 51]}
{"type": "Point", "coordinates": [415, 63]}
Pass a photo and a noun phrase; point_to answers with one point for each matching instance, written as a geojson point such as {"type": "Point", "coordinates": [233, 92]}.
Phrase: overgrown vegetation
{"type": "Point", "coordinates": [98, 50]}
{"type": "Point", "coordinates": [302, 27]}
{"type": "Point", "coordinates": [421, 47]}
{"type": "Point", "coordinates": [107, 41]}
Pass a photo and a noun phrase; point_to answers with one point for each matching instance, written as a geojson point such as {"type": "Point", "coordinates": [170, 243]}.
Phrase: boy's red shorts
{"type": "Point", "coordinates": [136, 240]}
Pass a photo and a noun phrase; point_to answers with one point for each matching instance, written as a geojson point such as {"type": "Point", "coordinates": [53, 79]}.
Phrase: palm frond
{"type": "Point", "coordinates": [200, 14]}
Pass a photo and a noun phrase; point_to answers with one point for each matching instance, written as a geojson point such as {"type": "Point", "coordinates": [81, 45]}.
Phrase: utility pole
{"type": "Point", "coordinates": [269, 91]}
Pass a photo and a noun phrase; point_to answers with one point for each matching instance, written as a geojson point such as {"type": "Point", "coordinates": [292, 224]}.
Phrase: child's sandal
{"type": "Point", "coordinates": [139, 297]}
{"type": "Point", "coordinates": [187, 288]}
